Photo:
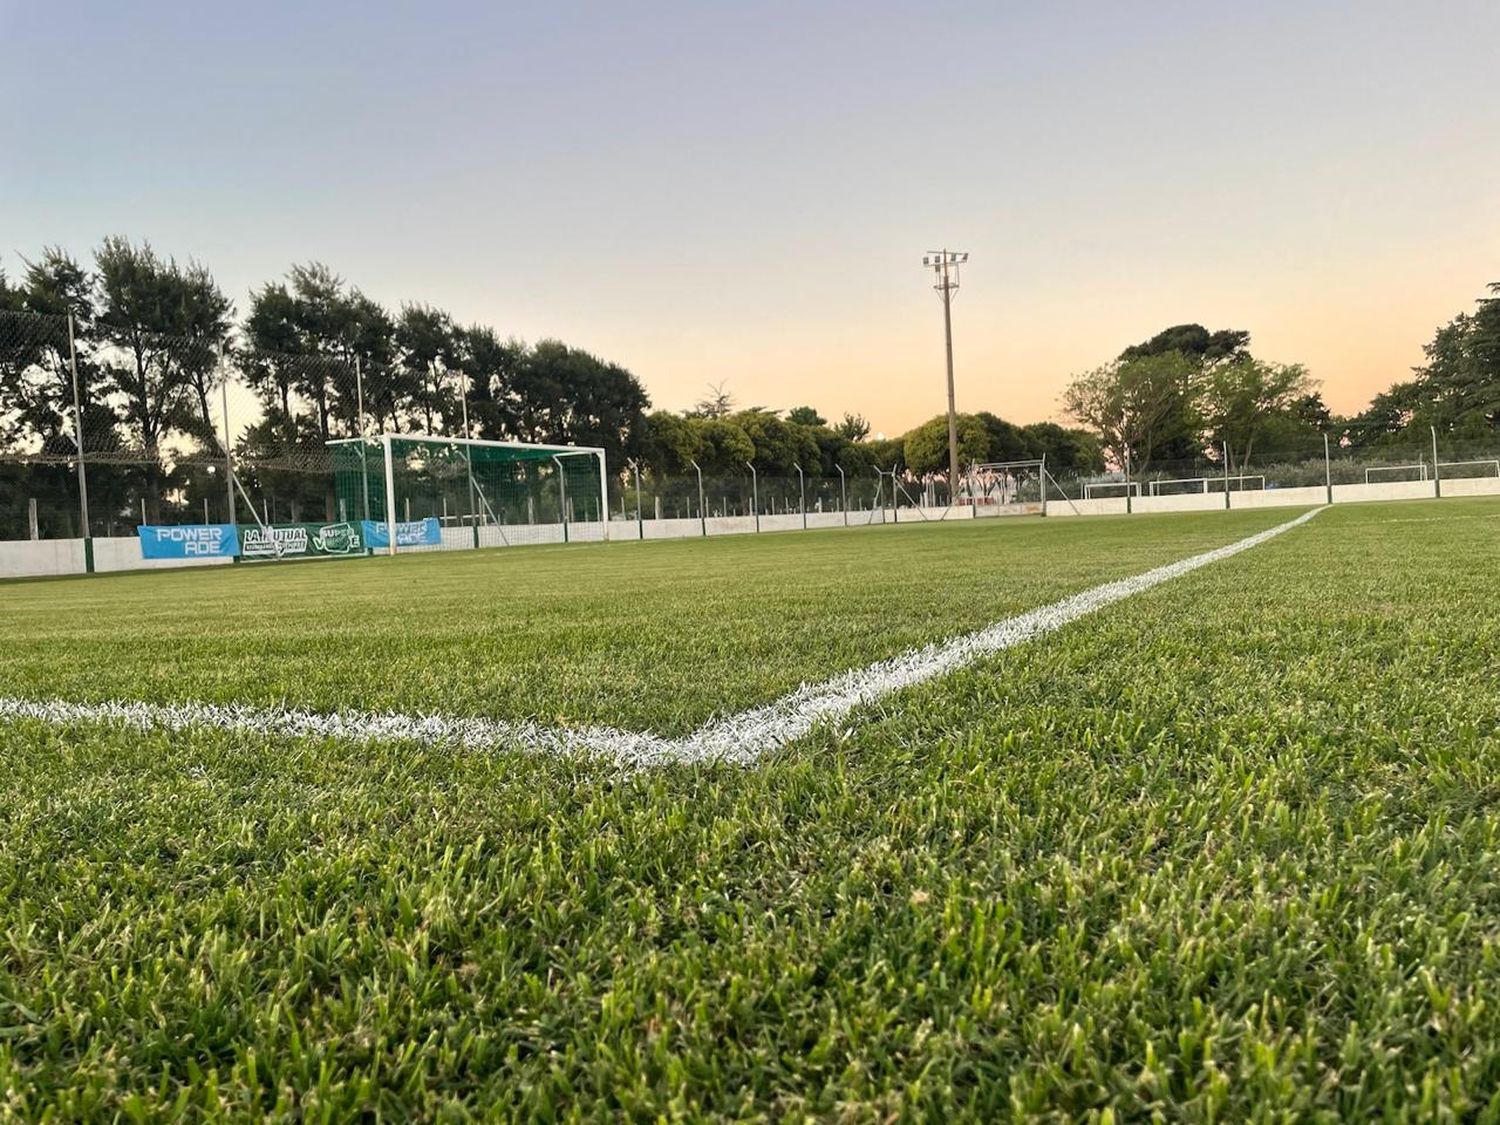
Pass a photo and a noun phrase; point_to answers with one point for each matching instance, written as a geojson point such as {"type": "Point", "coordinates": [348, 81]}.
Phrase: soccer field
{"type": "Point", "coordinates": [1224, 847]}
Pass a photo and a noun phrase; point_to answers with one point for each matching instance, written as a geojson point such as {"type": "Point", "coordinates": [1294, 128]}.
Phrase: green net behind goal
{"type": "Point", "coordinates": [480, 493]}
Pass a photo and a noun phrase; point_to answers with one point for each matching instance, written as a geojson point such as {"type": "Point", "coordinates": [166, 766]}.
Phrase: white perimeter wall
{"type": "Point", "coordinates": [46, 557]}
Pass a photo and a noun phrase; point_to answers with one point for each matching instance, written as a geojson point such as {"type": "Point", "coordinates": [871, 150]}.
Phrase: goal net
{"type": "Point", "coordinates": [451, 493]}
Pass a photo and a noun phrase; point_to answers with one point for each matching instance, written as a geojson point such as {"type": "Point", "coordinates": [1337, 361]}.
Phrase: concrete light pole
{"type": "Point", "coordinates": [944, 264]}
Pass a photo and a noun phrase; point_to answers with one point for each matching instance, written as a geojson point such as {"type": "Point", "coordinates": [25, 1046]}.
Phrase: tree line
{"type": "Point", "coordinates": [1189, 394]}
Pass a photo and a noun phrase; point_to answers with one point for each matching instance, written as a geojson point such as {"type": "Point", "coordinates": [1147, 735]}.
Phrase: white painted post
{"type": "Point", "coordinates": [1437, 476]}
{"type": "Point", "coordinates": [1327, 468]}
{"type": "Point", "coordinates": [390, 495]}
{"type": "Point", "coordinates": [843, 493]}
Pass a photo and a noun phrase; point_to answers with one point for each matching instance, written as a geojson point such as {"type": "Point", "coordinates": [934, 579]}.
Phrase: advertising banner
{"type": "Point", "coordinates": [300, 540]}
{"type": "Point", "coordinates": [189, 541]}
{"type": "Point", "coordinates": [417, 533]}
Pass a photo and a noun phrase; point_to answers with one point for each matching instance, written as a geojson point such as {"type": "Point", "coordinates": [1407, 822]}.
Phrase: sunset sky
{"type": "Point", "coordinates": [742, 192]}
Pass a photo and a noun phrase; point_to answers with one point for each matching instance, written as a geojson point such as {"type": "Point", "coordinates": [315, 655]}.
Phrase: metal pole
{"type": "Point", "coordinates": [801, 494]}
{"type": "Point", "coordinates": [364, 453]}
{"type": "Point", "coordinates": [1226, 477]}
{"type": "Point", "coordinates": [1041, 485]}
{"type": "Point", "coordinates": [603, 497]}
{"type": "Point", "coordinates": [390, 495]}
{"type": "Point", "coordinates": [843, 493]}
{"type": "Point", "coordinates": [1437, 477]}
{"type": "Point", "coordinates": [463, 399]}
{"type": "Point", "coordinates": [952, 408]}
{"type": "Point", "coordinates": [640, 521]}
{"type": "Point", "coordinates": [1327, 468]}
{"type": "Point", "coordinates": [755, 494]}
{"type": "Point", "coordinates": [228, 447]}
{"type": "Point", "coordinates": [83, 479]}
{"type": "Point", "coordinates": [702, 511]}
{"type": "Point", "coordinates": [31, 520]}
{"type": "Point", "coordinates": [895, 500]}
{"type": "Point", "coordinates": [562, 495]}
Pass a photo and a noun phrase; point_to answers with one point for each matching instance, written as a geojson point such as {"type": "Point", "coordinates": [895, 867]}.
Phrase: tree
{"type": "Point", "coordinates": [426, 353]}
{"type": "Point", "coordinates": [805, 416]}
{"type": "Point", "coordinates": [1143, 409]}
{"type": "Point", "coordinates": [1241, 398]}
{"type": "Point", "coordinates": [926, 447]}
{"type": "Point", "coordinates": [853, 427]}
{"type": "Point", "coordinates": [169, 323]}
{"type": "Point", "coordinates": [1066, 450]}
{"type": "Point", "coordinates": [779, 445]}
{"type": "Point", "coordinates": [565, 395]}
{"type": "Point", "coordinates": [718, 403]}
{"type": "Point", "coordinates": [1195, 342]}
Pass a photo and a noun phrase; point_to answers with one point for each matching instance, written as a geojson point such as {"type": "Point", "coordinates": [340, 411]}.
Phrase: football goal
{"type": "Point", "coordinates": [1377, 473]}
{"type": "Point", "coordinates": [1179, 486]}
{"type": "Point", "coordinates": [419, 492]}
{"type": "Point", "coordinates": [1104, 489]}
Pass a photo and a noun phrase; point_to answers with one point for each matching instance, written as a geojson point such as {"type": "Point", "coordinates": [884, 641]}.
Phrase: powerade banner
{"type": "Point", "coordinates": [417, 533]}
{"type": "Point", "coordinates": [189, 541]}
{"type": "Point", "coordinates": [300, 540]}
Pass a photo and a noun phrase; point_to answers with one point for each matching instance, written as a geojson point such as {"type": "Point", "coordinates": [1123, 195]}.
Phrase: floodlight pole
{"type": "Point", "coordinates": [390, 496]}
{"type": "Point", "coordinates": [754, 494]}
{"type": "Point", "coordinates": [944, 264]}
{"type": "Point", "coordinates": [843, 492]}
{"type": "Point", "coordinates": [801, 494]}
{"type": "Point", "coordinates": [702, 511]}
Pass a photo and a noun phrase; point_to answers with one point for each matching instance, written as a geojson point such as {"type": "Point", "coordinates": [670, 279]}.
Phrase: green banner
{"type": "Point", "coordinates": [300, 540]}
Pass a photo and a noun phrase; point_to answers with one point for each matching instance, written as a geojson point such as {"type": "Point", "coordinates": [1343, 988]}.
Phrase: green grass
{"type": "Point", "coordinates": [656, 636]}
{"type": "Point", "coordinates": [1224, 851]}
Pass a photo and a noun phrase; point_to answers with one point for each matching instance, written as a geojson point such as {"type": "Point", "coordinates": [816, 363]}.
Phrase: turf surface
{"type": "Point", "coordinates": [649, 636]}
{"type": "Point", "coordinates": [1220, 852]}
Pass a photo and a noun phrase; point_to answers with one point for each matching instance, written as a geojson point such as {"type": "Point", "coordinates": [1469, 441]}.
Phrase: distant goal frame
{"type": "Point", "coordinates": [384, 443]}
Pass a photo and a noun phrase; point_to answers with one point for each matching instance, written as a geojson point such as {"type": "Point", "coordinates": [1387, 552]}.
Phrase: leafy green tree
{"type": "Point", "coordinates": [926, 447]}
{"type": "Point", "coordinates": [565, 395]}
{"type": "Point", "coordinates": [1242, 398]}
{"type": "Point", "coordinates": [168, 324]}
{"type": "Point", "coordinates": [1066, 449]}
{"type": "Point", "coordinates": [779, 445]}
{"type": "Point", "coordinates": [426, 350]}
{"type": "Point", "coordinates": [805, 416]}
{"type": "Point", "coordinates": [1195, 342]}
{"type": "Point", "coordinates": [488, 365]}
{"type": "Point", "coordinates": [853, 427]}
{"type": "Point", "coordinates": [1143, 409]}
{"type": "Point", "coordinates": [723, 446]}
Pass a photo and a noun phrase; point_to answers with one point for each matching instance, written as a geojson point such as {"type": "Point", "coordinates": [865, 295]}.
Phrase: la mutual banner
{"type": "Point", "coordinates": [300, 540]}
{"type": "Point", "coordinates": [417, 533]}
{"type": "Point", "coordinates": [189, 541]}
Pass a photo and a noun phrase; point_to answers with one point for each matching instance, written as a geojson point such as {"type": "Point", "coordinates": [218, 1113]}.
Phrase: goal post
{"type": "Point", "coordinates": [425, 492]}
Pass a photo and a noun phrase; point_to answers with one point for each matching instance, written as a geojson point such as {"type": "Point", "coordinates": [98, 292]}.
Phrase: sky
{"type": "Point", "coordinates": [741, 193]}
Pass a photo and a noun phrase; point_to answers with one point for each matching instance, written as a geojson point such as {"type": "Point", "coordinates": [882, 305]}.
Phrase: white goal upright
{"type": "Point", "coordinates": [412, 492]}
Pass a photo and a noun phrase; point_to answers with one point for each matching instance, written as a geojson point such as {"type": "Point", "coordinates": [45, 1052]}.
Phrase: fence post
{"type": "Point", "coordinates": [1327, 468]}
{"type": "Point", "coordinates": [640, 524]}
{"type": "Point", "coordinates": [1437, 477]}
{"type": "Point", "coordinates": [1226, 477]}
{"type": "Point", "coordinates": [755, 494]}
{"type": "Point", "coordinates": [1128, 508]}
{"type": "Point", "coordinates": [895, 500]}
{"type": "Point", "coordinates": [843, 493]}
{"type": "Point", "coordinates": [83, 478]}
{"type": "Point", "coordinates": [1041, 483]}
{"type": "Point", "coordinates": [702, 511]}
{"type": "Point", "coordinates": [228, 443]}
{"type": "Point", "coordinates": [801, 494]}
{"type": "Point", "coordinates": [31, 521]}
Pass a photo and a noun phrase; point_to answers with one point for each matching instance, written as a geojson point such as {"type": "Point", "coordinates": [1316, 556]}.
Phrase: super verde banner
{"type": "Point", "coordinates": [190, 541]}
{"type": "Point", "coordinates": [300, 540]}
{"type": "Point", "coordinates": [417, 533]}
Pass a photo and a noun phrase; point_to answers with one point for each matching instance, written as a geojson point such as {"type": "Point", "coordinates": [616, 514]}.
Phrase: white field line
{"type": "Point", "coordinates": [741, 738]}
